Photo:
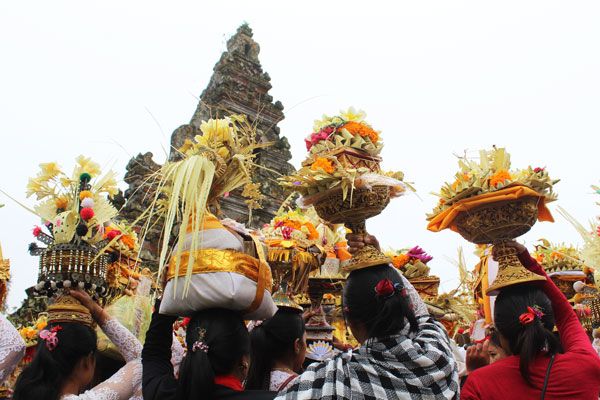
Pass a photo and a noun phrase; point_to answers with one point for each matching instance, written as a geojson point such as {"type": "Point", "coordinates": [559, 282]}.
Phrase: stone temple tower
{"type": "Point", "coordinates": [240, 86]}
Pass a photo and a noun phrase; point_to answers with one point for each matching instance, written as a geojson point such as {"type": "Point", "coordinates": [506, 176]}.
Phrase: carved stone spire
{"type": "Point", "coordinates": [239, 85]}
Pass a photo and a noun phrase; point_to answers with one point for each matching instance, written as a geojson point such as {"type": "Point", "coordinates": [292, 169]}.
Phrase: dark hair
{"type": "Point", "coordinates": [226, 339]}
{"type": "Point", "coordinates": [273, 340]}
{"type": "Point", "coordinates": [44, 377]}
{"type": "Point", "coordinates": [381, 316]}
{"type": "Point", "coordinates": [529, 340]}
{"type": "Point", "coordinates": [495, 338]}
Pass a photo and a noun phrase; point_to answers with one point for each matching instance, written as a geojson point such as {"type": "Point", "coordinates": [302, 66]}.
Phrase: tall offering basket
{"type": "Point", "coordinates": [490, 204]}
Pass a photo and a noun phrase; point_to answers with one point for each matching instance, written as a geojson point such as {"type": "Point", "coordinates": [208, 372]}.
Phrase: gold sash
{"type": "Point", "coordinates": [213, 260]}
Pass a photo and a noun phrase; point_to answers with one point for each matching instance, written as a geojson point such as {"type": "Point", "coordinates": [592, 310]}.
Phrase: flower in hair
{"type": "Point", "coordinates": [532, 313]}
{"type": "Point", "coordinates": [50, 338]}
{"type": "Point", "coordinates": [199, 345]}
{"type": "Point", "coordinates": [385, 288]}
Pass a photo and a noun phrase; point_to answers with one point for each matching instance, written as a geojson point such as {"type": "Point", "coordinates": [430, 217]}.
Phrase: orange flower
{"type": "Point", "coordinates": [556, 255]}
{"type": "Point", "coordinates": [323, 164]}
{"type": "Point", "coordinates": [499, 177]}
{"type": "Point", "coordinates": [463, 178]}
{"type": "Point", "coordinates": [362, 130]}
{"type": "Point", "coordinates": [312, 232]}
{"type": "Point", "coordinates": [62, 202]}
{"type": "Point", "coordinates": [128, 241]}
{"type": "Point", "coordinates": [292, 224]}
{"type": "Point", "coordinates": [400, 261]}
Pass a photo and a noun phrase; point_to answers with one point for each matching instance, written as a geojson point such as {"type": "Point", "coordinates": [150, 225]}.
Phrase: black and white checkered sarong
{"type": "Point", "coordinates": [406, 366]}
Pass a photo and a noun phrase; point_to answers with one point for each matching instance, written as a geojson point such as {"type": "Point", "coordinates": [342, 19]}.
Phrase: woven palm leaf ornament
{"type": "Point", "coordinates": [74, 210]}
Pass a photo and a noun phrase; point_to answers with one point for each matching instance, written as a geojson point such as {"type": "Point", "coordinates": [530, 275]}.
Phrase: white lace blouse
{"type": "Point", "coordinates": [127, 381]}
{"type": "Point", "coordinates": [12, 348]}
{"type": "Point", "coordinates": [280, 380]}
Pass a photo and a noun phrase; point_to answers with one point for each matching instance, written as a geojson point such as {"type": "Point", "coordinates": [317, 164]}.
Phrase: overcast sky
{"type": "Point", "coordinates": [114, 78]}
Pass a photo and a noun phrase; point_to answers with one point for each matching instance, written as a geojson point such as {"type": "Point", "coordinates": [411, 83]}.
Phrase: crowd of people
{"type": "Point", "coordinates": [404, 352]}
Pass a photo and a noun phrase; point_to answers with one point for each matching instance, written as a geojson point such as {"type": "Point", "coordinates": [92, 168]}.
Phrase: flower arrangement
{"type": "Point", "coordinates": [291, 228]}
{"type": "Point", "coordinates": [123, 239]}
{"type": "Point", "coordinates": [411, 262]}
{"type": "Point", "coordinates": [349, 128]}
{"type": "Point", "coordinates": [558, 257]}
{"type": "Point", "coordinates": [491, 173]}
{"type": "Point", "coordinates": [30, 333]}
{"type": "Point", "coordinates": [343, 153]}
{"type": "Point", "coordinates": [75, 204]}
{"type": "Point", "coordinates": [590, 251]}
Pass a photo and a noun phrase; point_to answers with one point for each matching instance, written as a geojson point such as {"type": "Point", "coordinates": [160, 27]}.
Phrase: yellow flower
{"type": "Point", "coordinates": [353, 115]}
{"type": "Point", "coordinates": [110, 186]}
{"type": "Point", "coordinates": [215, 131]}
{"type": "Point", "coordinates": [66, 182]}
{"type": "Point", "coordinates": [49, 170]}
{"type": "Point", "coordinates": [87, 165]}
{"type": "Point", "coordinates": [34, 186]}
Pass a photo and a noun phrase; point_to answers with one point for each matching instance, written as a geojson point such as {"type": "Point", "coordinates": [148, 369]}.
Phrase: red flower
{"type": "Point", "coordinates": [87, 213]}
{"type": "Point", "coordinates": [384, 288]}
{"type": "Point", "coordinates": [537, 170]}
{"type": "Point", "coordinates": [185, 321]}
{"type": "Point", "coordinates": [113, 234]}
{"type": "Point", "coordinates": [37, 231]}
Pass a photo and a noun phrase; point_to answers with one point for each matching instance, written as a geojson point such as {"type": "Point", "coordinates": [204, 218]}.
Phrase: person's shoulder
{"type": "Point", "coordinates": [498, 368]}
{"type": "Point", "coordinates": [588, 360]}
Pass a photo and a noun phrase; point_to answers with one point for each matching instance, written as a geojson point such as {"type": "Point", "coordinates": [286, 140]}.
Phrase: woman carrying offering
{"type": "Point", "coordinates": [404, 353]}
{"type": "Point", "coordinates": [64, 364]}
{"type": "Point", "coordinates": [534, 368]}
{"type": "Point", "coordinates": [216, 363]}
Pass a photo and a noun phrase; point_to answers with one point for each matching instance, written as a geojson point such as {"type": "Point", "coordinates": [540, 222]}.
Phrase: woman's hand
{"type": "Point", "coordinates": [99, 315]}
{"type": "Point", "coordinates": [358, 241]}
{"type": "Point", "coordinates": [477, 356]}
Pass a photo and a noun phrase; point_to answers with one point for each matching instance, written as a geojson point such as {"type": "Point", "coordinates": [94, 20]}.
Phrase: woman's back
{"type": "Point", "coordinates": [410, 364]}
{"type": "Point", "coordinates": [573, 375]}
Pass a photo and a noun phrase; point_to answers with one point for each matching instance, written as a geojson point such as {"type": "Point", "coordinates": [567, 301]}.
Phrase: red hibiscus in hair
{"type": "Point", "coordinates": [384, 288]}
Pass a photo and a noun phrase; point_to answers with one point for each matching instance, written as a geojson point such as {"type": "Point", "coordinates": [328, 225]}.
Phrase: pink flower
{"type": "Point", "coordinates": [286, 232]}
{"type": "Point", "coordinates": [417, 252]}
{"type": "Point", "coordinates": [308, 144]}
{"type": "Point", "coordinates": [49, 336]}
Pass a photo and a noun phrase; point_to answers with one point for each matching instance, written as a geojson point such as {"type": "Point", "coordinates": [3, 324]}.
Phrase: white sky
{"type": "Point", "coordinates": [435, 77]}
